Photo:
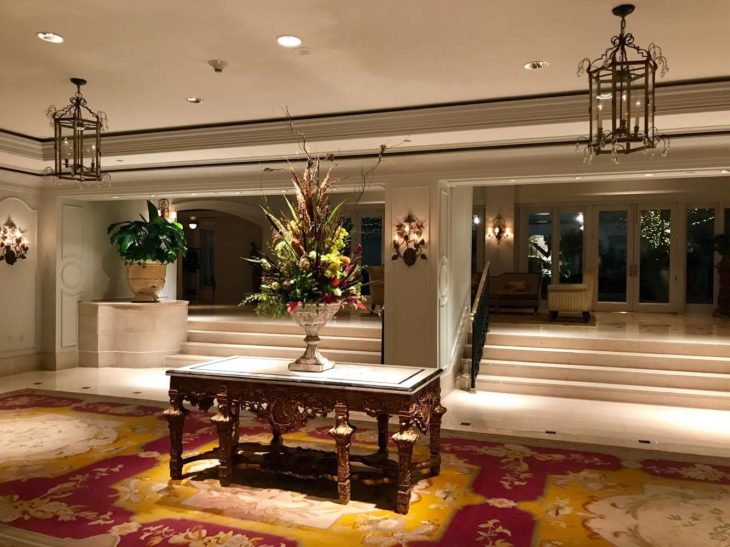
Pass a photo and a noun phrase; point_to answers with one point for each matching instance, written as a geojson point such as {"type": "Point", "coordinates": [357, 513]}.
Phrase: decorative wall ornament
{"type": "Point", "coordinates": [498, 229]}
{"type": "Point", "coordinates": [408, 241]}
{"type": "Point", "coordinates": [621, 103]}
{"type": "Point", "coordinates": [166, 210]}
{"type": "Point", "coordinates": [13, 245]}
{"type": "Point", "coordinates": [77, 141]}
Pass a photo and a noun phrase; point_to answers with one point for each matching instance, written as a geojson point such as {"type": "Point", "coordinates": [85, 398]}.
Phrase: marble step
{"type": "Point", "coordinates": [365, 329]}
{"type": "Point", "coordinates": [282, 340]}
{"type": "Point", "coordinates": [706, 349]}
{"type": "Point", "coordinates": [228, 350]}
{"type": "Point", "coordinates": [607, 375]}
{"type": "Point", "coordinates": [629, 359]}
{"type": "Point", "coordinates": [597, 391]}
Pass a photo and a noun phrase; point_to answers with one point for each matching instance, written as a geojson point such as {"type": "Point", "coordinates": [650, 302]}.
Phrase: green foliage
{"type": "Point", "coordinates": [156, 239]}
{"type": "Point", "coordinates": [306, 261]}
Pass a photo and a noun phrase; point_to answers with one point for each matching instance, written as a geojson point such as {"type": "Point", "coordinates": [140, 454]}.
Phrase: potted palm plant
{"type": "Point", "coordinates": [147, 246]}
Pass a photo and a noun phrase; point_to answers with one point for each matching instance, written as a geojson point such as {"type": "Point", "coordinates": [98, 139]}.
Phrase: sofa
{"type": "Point", "coordinates": [514, 290]}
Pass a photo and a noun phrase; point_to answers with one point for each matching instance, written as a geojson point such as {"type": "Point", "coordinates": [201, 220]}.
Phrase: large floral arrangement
{"type": "Point", "coordinates": [305, 262]}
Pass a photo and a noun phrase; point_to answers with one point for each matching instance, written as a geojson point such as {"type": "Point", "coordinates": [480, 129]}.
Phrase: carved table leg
{"type": "Point", "coordinates": [276, 439]}
{"type": "Point", "coordinates": [342, 433]}
{"type": "Point", "coordinates": [175, 415]}
{"type": "Point", "coordinates": [236, 409]}
{"type": "Point", "coordinates": [383, 434]}
{"type": "Point", "coordinates": [405, 439]}
{"type": "Point", "coordinates": [223, 422]}
{"type": "Point", "coordinates": [435, 438]}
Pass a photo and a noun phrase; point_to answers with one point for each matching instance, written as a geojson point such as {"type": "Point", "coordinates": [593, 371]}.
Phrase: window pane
{"type": "Point", "coordinates": [347, 225]}
{"type": "Point", "coordinates": [372, 241]}
{"type": "Point", "coordinates": [539, 251]}
{"type": "Point", "coordinates": [654, 259]}
{"type": "Point", "coordinates": [700, 255]}
{"type": "Point", "coordinates": [612, 247]}
{"type": "Point", "coordinates": [571, 247]}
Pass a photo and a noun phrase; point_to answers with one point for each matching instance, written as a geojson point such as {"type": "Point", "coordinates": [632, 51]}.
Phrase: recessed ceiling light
{"type": "Point", "coordinates": [724, 171]}
{"type": "Point", "coordinates": [50, 37]}
{"type": "Point", "coordinates": [578, 178]}
{"type": "Point", "coordinates": [536, 65]}
{"type": "Point", "coordinates": [115, 197]}
{"type": "Point", "coordinates": [289, 41]}
{"type": "Point", "coordinates": [194, 100]}
{"type": "Point", "coordinates": [648, 174]}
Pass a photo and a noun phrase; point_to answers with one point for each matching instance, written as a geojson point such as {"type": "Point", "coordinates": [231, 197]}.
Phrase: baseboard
{"type": "Point", "coordinates": [60, 360]}
{"type": "Point", "coordinates": [17, 364]}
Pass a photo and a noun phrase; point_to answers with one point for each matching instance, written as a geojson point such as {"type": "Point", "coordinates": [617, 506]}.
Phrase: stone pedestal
{"type": "Point", "coordinates": [128, 334]}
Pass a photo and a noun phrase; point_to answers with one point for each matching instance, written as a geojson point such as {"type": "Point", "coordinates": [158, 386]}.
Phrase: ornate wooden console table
{"type": "Point", "coordinates": [288, 399]}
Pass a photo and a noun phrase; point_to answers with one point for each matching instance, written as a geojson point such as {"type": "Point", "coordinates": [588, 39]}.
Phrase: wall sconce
{"type": "Point", "coordinates": [13, 245]}
{"type": "Point", "coordinates": [498, 229]}
{"type": "Point", "coordinates": [193, 224]}
{"type": "Point", "coordinates": [475, 219]}
{"type": "Point", "coordinates": [166, 211]}
{"type": "Point", "coordinates": [408, 241]}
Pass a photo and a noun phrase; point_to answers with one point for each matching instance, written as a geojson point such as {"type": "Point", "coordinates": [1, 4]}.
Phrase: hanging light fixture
{"type": "Point", "coordinates": [621, 96]}
{"type": "Point", "coordinates": [77, 141]}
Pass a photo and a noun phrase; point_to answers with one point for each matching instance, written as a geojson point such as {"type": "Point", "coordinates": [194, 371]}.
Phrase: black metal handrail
{"type": "Point", "coordinates": [479, 325]}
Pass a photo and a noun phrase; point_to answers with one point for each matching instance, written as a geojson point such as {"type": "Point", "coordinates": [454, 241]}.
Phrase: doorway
{"type": "Point", "coordinates": [636, 257]}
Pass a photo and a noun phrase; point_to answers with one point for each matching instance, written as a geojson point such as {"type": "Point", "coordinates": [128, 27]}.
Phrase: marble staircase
{"type": "Point", "coordinates": [665, 372]}
{"type": "Point", "coordinates": [351, 342]}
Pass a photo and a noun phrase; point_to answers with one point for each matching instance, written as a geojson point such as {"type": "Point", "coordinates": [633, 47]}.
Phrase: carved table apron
{"type": "Point", "coordinates": [288, 400]}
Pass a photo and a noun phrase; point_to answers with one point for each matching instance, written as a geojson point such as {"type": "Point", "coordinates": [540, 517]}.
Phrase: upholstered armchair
{"type": "Point", "coordinates": [571, 297]}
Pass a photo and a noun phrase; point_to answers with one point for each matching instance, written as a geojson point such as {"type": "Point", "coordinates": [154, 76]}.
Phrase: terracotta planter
{"type": "Point", "coordinates": [146, 280]}
{"type": "Point", "coordinates": [312, 317]}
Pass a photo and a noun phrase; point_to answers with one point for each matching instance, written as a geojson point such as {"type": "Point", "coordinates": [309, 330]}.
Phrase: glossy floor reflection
{"type": "Point", "coordinates": [672, 429]}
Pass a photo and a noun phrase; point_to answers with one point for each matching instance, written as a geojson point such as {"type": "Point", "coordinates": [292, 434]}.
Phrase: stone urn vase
{"type": "Point", "coordinates": [146, 280]}
{"type": "Point", "coordinates": [312, 317]}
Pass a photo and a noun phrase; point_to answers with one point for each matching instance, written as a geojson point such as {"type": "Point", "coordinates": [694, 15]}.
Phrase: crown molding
{"type": "Point", "coordinates": [453, 127]}
{"type": "Point", "coordinates": [540, 110]}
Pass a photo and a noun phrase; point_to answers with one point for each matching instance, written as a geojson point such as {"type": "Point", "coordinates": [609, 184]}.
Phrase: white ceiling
{"type": "Point", "coordinates": [142, 57]}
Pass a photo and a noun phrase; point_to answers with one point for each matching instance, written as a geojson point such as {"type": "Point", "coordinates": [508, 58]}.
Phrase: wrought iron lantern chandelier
{"type": "Point", "coordinates": [621, 85]}
{"type": "Point", "coordinates": [77, 141]}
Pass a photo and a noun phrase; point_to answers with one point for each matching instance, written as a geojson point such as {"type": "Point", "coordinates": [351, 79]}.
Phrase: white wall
{"type": "Point", "coordinates": [411, 310]}
{"type": "Point", "coordinates": [500, 200]}
{"type": "Point", "coordinates": [457, 286]}
{"type": "Point", "coordinates": [20, 286]}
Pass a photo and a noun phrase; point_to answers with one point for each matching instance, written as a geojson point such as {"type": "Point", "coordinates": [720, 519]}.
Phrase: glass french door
{"type": "Point", "coordinates": [635, 262]}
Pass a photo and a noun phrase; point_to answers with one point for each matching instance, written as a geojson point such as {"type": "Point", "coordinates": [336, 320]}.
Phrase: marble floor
{"type": "Point", "coordinates": [663, 428]}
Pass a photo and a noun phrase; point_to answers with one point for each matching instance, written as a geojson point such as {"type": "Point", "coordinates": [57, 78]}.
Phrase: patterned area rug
{"type": "Point", "coordinates": [89, 471]}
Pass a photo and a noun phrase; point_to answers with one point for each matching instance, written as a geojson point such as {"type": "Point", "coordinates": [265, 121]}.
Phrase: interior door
{"type": "Point", "coordinates": [614, 258]}
{"type": "Point", "coordinates": [653, 265]}
{"type": "Point", "coordinates": [635, 258]}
